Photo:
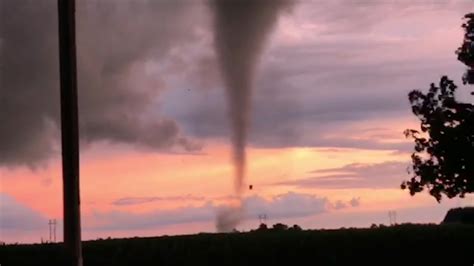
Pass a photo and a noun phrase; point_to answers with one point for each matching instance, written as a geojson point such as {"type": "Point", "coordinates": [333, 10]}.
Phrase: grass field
{"type": "Point", "coordinates": [396, 245]}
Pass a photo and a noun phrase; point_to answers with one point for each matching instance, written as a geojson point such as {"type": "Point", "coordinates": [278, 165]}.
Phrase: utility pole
{"type": "Point", "coordinates": [69, 132]}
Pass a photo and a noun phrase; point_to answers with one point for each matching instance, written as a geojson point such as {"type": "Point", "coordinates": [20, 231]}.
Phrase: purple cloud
{"type": "Point", "coordinates": [142, 200]}
{"type": "Point", "coordinates": [289, 205]}
{"type": "Point", "coordinates": [357, 175]}
{"type": "Point", "coordinates": [15, 216]}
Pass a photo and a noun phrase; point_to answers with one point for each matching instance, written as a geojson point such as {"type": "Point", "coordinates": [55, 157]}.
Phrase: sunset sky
{"type": "Point", "coordinates": [326, 146]}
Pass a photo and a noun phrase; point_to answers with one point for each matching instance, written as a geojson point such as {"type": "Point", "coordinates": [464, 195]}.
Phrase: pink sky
{"type": "Point", "coordinates": [326, 147]}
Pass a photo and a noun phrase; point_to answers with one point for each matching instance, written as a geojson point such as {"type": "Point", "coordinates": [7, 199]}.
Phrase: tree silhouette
{"type": "Point", "coordinates": [262, 227]}
{"type": "Point", "coordinates": [280, 227]}
{"type": "Point", "coordinates": [295, 227]}
{"type": "Point", "coordinates": [466, 51]}
{"type": "Point", "coordinates": [444, 149]}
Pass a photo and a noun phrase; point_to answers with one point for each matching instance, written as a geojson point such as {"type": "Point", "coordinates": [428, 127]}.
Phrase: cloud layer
{"type": "Point", "coordinates": [288, 205]}
{"type": "Point", "coordinates": [334, 68]}
{"type": "Point", "coordinates": [356, 175]}
{"type": "Point", "coordinates": [153, 82]}
{"type": "Point", "coordinates": [118, 89]}
{"type": "Point", "coordinates": [16, 216]}
{"type": "Point", "coordinates": [141, 200]}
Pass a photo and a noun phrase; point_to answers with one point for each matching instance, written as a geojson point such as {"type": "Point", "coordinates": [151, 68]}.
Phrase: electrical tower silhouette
{"type": "Point", "coordinates": [52, 230]}
{"type": "Point", "coordinates": [392, 217]}
{"type": "Point", "coordinates": [262, 218]}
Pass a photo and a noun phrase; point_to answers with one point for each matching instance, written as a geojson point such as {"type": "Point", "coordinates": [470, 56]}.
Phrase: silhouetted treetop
{"type": "Point", "coordinates": [466, 51]}
{"type": "Point", "coordinates": [280, 227]}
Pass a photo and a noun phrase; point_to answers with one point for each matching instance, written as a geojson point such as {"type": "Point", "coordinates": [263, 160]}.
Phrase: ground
{"type": "Point", "coordinates": [395, 245]}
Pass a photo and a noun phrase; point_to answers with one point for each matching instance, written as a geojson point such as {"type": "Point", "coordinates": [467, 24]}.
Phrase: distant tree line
{"type": "Point", "coordinates": [277, 227]}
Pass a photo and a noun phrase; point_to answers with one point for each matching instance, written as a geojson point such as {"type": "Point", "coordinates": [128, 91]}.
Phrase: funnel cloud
{"type": "Point", "coordinates": [241, 28]}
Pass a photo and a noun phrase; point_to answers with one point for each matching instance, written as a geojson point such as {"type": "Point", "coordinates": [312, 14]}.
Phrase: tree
{"type": "Point", "coordinates": [444, 149]}
{"type": "Point", "coordinates": [280, 227]}
{"type": "Point", "coordinates": [466, 51]}
{"type": "Point", "coordinates": [296, 227]}
{"type": "Point", "coordinates": [262, 227]}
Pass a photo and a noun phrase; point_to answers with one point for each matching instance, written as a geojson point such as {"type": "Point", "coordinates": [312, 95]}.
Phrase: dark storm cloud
{"type": "Point", "coordinates": [16, 216]}
{"type": "Point", "coordinates": [26, 115]}
{"type": "Point", "coordinates": [282, 120]}
{"type": "Point", "coordinates": [357, 175]}
{"type": "Point", "coordinates": [115, 41]}
{"type": "Point", "coordinates": [339, 77]}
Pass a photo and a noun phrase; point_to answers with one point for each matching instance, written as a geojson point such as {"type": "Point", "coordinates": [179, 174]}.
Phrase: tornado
{"type": "Point", "coordinates": [241, 28]}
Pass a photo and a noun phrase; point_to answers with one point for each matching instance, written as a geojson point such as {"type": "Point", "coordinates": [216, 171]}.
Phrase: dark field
{"type": "Point", "coordinates": [397, 245]}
